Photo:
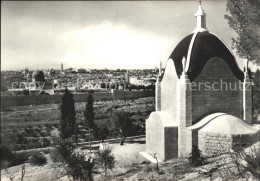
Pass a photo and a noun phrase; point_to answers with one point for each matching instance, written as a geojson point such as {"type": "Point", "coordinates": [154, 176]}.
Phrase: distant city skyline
{"type": "Point", "coordinates": [101, 34]}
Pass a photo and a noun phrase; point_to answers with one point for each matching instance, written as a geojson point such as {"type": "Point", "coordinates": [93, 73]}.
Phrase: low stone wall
{"type": "Point", "coordinates": [213, 144]}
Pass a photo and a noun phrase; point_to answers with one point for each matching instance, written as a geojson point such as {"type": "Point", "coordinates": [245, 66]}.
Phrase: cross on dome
{"type": "Point", "coordinates": [201, 19]}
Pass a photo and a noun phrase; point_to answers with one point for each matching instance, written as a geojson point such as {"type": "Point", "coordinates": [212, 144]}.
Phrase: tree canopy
{"type": "Point", "coordinates": [244, 18]}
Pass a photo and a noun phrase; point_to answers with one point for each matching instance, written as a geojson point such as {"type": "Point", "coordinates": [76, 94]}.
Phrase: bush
{"type": "Point", "coordinates": [19, 158]}
{"type": "Point", "coordinates": [8, 158]}
{"type": "Point", "coordinates": [83, 135]}
{"type": "Point", "coordinates": [38, 159]}
{"type": "Point", "coordinates": [149, 168]}
{"type": "Point", "coordinates": [45, 133]}
{"type": "Point", "coordinates": [6, 153]}
{"type": "Point", "coordinates": [196, 158]}
{"type": "Point", "coordinates": [75, 164]}
{"type": "Point", "coordinates": [106, 158]}
{"type": "Point", "coordinates": [29, 131]}
{"type": "Point", "coordinates": [33, 145]}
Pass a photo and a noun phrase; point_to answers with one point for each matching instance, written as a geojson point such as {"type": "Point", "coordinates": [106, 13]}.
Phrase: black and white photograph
{"type": "Point", "coordinates": [130, 90]}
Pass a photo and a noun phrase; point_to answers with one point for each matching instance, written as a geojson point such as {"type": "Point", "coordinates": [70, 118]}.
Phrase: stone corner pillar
{"type": "Point", "coordinates": [184, 116]}
{"type": "Point", "coordinates": [247, 99]}
{"type": "Point", "coordinates": [158, 95]}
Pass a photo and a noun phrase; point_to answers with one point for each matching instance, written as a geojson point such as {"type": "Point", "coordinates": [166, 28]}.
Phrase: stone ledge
{"type": "Point", "coordinates": [150, 157]}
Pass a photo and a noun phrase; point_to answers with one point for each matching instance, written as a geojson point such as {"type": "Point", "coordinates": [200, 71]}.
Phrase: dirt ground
{"type": "Point", "coordinates": [130, 166]}
{"type": "Point", "coordinates": [126, 155]}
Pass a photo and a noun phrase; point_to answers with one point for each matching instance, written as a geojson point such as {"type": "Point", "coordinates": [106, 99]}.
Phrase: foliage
{"type": "Point", "coordinates": [244, 18]}
{"type": "Point", "coordinates": [106, 158]}
{"type": "Point", "coordinates": [74, 163]}
{"type": "Point", "coordinates": [19, 158]}
{"type": "Point", "coordinates": [89, 116]}
{"type": "Point", "coordinates": [122, 124]}
{"type": "Point", "coordinates": [88, 113]}
{"type": "Point", "coordinates": [38, 159]}
{"type": "Point", "coordinates": [9, 158]}
{"type": "Point", "coordinates": [101, 132]}
{"type": "Point", "coordinates": [195, 157]}
{"type": "Point", "coordinates": [68, 114]}
{"type": "Point", "coordinates": [6, 153]}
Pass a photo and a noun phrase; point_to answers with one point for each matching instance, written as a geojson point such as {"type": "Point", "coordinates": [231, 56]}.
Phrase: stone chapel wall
{"type": "Point", "coordinates": [216, 89]}
{"type": "Point", "coordinates": [169, 89]}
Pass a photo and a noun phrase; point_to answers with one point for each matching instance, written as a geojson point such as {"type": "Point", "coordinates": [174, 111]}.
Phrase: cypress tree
{"type": "Point", "coordinates": [89, 116]}
{"type": "Point", "coordinates": [68, 114]}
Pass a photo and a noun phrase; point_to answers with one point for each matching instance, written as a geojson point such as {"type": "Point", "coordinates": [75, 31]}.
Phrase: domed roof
{"type": "Point", "coordinates": [38, 75]}
{"type": "Point", "coordinates": [199, 47]}
{"type": "Point", "coordinates": [204, 45]}
{"type": "Point", "coordinates": [223, 123]}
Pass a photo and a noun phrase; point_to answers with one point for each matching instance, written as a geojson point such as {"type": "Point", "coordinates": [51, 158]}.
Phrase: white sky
{"type": "Point", "coordinates": [100, 34]}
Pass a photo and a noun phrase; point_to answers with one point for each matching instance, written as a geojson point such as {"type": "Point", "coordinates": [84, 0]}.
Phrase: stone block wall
{"type": "Point", "coordinates": [216, 89]}
{"type": "Point", "coordinates": [212, 144]}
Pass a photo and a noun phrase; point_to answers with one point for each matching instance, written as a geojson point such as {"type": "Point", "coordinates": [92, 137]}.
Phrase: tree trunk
{"type": "Point", "coordinates": [122, 140]}
{"type": "Point", "coordinates": [89, 139]}
{"type": "Point", "coordinates": [105, 171]}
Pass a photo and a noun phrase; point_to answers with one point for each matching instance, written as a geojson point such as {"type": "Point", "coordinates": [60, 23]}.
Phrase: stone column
{"type": "Point", "coordinates": [184, 116]}
{"type": "Point", "coordinates": [158, 95]}
{"type": "Point", "coordinates": [247, 99]}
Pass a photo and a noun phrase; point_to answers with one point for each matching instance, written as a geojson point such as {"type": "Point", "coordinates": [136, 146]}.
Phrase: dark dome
{"type": "Point", "coordinates": [206, 46]}
{"type": "Point", "coordinates": [38, 75]}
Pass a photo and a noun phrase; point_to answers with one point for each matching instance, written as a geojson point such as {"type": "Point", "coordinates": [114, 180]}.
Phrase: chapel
{"type": "Point", "coordinates": [202, 98]}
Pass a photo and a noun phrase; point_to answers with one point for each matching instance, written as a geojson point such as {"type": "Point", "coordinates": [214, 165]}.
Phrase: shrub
{"type": "Point", "coordinates": [29, 131]}
{"type": "Point", "coordinates": [46, 151]}
{"type": "Point", "coordinates": [8, 158]}
{"type": "Point", "coordinates": [75, 164]}
{"type": "Point", "coordinates": [83, 135]}
{"type": "Point", "coordinates": [6, 153]}
{"type": "Point", "coordinates": [195, 157]}
{"type": "Point", "coordinates": [37, 129]}
{"type": "Point", "coordinates": [32, 145]}
{"type": "Point", "coordinates": [45, 133]}
{"type": "Point", "coordinates": [106, 158]}
{"type": "Point", "coordinates": [19, 158]}
{"type": "Point", "coordinates": [44, 142]}
{"type": "Point", "coordinates": [35, 134]}
{"type": "Point", "coordinates": [149, 168]}
{"type": "Point", "coordinates": [38, 159]}
{"type": "Point", "coordinates": [48, 126]}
